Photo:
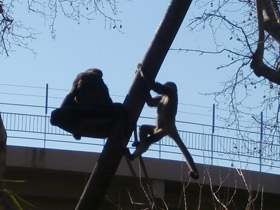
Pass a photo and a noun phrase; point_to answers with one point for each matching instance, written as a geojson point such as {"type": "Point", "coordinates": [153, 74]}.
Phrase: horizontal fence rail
{"type": "Point", "coordinates": [248, 147]}
{"type": "Point", "coordinates": [206, 147]}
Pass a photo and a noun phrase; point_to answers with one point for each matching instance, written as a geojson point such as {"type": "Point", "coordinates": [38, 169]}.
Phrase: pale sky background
{"type": "Point", "coordinates": [78, 47]}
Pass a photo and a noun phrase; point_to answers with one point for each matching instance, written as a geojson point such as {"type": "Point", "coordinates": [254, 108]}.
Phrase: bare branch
{"type": "Point", "coordinates": [15, 33]}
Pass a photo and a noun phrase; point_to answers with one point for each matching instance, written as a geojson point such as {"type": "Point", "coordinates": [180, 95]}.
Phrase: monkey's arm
{"type": "Point", "coordinates": [69, 101]}
{"type": "Point", "coordinates": [162, 89]}
{"type": "Point", "coordinates": [153, 102]}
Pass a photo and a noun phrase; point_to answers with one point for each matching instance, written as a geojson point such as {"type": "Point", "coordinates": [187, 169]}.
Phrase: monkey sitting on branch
{"type": "Point", "coordinates": [166, 104]}
{"type": "Point", "coordinates": [88, 109]}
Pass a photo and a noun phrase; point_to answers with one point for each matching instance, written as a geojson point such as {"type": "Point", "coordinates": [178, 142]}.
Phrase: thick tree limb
{"type": "Point", "coordinates": [268, 18]}
{"type": "Point", "coordinates": [271, 19]}
{"type": "Point", "coordinates": [113, 150]}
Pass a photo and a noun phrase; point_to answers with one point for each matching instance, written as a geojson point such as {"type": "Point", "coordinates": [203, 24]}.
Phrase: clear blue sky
{"type": "Point", "coordinates": [78, 47]}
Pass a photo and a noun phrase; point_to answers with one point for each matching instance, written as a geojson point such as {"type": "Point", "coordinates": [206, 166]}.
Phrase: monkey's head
{"type": "Point", "coordinates": [171, 84]}
{"type": "Point", "coordinates": [94, 71]}
{"type": "Point", "coordinates": [89, 78]}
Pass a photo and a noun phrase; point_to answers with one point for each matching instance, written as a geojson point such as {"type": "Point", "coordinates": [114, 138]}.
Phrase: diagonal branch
{"type": "Point", "coordinates": [113, 151]}
{"type": "Point", "coordinates": [257, 64]}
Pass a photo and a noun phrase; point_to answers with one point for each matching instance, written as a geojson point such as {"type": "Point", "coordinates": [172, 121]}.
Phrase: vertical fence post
{"type": "Point", "coordinates": [160, 143]}
{"type": "Point", "coordinates": [46, 112]}
{"type": "Point", "coordinates": [212, 135]}
{"type": "Point", "coordinates": [47, 99]}
{"type": "Point", "coordinates": [261, 139]}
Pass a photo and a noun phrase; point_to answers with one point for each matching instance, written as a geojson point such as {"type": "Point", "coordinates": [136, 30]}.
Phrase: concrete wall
{"type": "Point", "coordinates": [166, 170]}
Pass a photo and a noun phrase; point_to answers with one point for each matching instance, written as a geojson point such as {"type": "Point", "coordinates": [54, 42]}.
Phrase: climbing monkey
{"type": "Point", "coordinates": [166, 103]}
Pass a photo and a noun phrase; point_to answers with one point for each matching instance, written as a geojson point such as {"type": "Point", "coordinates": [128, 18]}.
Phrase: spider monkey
{"type": "Point", "coordinates": [166, 104]}
{"type": "Point", "coordinates": [88, 109]}
{"type": "Point", "coordinates": [88, 90]}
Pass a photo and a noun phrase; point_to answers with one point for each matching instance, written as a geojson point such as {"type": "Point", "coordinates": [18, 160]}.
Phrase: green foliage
{"type": "Point", "coordinates": [14, 201]}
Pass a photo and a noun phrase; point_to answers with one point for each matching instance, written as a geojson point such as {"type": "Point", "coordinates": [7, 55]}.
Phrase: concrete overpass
{"type": "Point", "coordinates": [55, 180]}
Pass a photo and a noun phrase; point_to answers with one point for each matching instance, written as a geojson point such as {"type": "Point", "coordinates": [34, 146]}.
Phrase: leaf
{"type": "Point", "coordinates": [23, 201]}
{"type": "Point", "coordinates": [17, 201]}
{"type": "Point", "coordinates": [14, 200]}
{"type": "Point", "coordinates": [12, 181]}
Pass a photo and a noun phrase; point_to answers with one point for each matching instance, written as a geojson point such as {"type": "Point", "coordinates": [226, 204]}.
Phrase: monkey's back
{"type": "Point", "coordinates": [166, 112]}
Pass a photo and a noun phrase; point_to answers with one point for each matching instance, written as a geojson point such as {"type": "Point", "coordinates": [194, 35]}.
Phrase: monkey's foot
{"type": "Point", "coordinates": [77, 136]}
{"type": "Point", "coordinates": [136, 144]}
{"type": "Point", "coordinates": [140, 149]}
{"type": "Point", "coordinates": [132, 157]}
{"type": "Point", "coordinates": [126, 151]}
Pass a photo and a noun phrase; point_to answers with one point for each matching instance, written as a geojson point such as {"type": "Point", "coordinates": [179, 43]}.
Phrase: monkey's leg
{"type": "Point", "coordinates": [145, 141]}
{"type": "Point", "coordinates": [103, 123]}
{"type": "Point", "coordinates": [64, 118]}
{"type": "Point", "coordinates": [141, 146]}
{"type": "Point", "coordinates": [82, 122]}
{"type": "Point", "coordinates": [175, 136]}
{"type": "Point", "coordinates": [156, 136]}
{"type": "Point", "coordinates": [144, 131]}
{"type": "Point", "coordinates": [96, 122]}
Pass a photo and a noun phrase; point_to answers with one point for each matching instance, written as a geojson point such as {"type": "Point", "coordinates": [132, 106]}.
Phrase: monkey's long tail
{"type": "Point", "coordinates": [191, 164]}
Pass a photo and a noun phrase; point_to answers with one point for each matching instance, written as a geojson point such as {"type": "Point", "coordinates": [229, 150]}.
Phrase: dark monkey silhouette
{"type": "Point", "coordinates": [88, 109]}
{"type": "Point", "coordinates": [166, 104]}
{"type": "Point", "coordinates": [88, 90]}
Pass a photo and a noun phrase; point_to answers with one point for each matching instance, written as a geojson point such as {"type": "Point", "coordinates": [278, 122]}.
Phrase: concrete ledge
{"type": "Point", "coordinates": [166, 170]}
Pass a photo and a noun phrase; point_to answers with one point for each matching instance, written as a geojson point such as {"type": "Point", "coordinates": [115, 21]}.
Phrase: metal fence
{"type": "Point", "coordinates": [252, 148]}
{"type": "Point", "coordinates": [206, 147]}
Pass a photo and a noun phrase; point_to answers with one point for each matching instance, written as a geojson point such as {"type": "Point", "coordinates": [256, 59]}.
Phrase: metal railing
{"type": "Point", "coordinates": [252, 148]}
{"type": "Point", "coordinates": [206, 147]}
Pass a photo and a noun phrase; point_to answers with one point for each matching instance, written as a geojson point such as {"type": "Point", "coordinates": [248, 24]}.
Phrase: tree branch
{"type": "Point", "coordinates": [113, 151]}
{"type": "Point", "coordinates": [257, 64]}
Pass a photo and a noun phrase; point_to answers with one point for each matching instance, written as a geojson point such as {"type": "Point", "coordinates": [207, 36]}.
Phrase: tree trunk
{"type": "Point", "coordinates": [3, 151]}
{"type": "Point", "coordinates": [113, 151]}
